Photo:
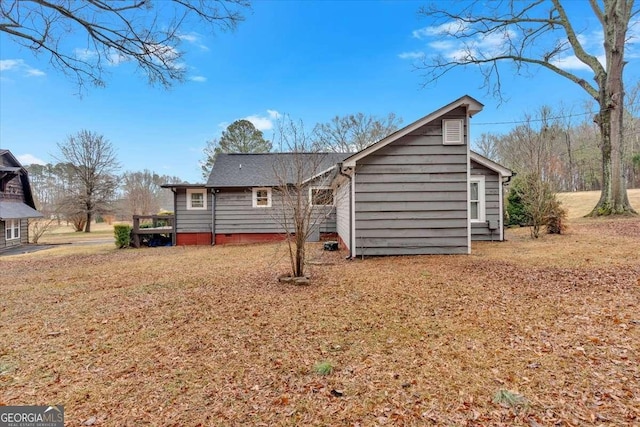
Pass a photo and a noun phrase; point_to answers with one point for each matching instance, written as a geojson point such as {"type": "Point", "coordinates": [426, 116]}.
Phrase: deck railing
{"type": "Point", "coordinates": [159, 224]}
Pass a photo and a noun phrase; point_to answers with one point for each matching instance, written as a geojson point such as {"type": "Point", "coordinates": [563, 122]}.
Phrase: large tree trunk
{"type": "Point", "coordinates": [613, 199]}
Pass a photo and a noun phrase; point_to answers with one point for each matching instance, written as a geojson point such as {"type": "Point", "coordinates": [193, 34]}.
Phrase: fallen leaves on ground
{"type": "Point", "coordinates": [208, 336]}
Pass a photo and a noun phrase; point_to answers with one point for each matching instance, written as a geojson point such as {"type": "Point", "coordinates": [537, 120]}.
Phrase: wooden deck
{"type": "Point", "coordinates": [159, 224]}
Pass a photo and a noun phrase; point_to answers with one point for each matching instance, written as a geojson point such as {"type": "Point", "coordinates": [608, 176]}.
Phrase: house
{"type": "Point", "coordinates": [420, 190]}
{"type": "Point", "coordinates": [16, 202]}
{"type": "Point", "coordinates": [237, 204]}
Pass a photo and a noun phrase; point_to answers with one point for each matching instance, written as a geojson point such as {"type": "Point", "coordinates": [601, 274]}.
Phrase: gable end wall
{"type": "Point", "coordinates": [411, 196]}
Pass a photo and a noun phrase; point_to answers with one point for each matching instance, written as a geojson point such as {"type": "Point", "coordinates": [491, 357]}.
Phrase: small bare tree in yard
{"type": "Point", "coordinates": [93, 164]}
{"type": "Point", "coordinates": [539, 205]}
{"type": "Point", "coordinates": [39, 226]}
{"type": "Point", "coordinates": [302, 195]}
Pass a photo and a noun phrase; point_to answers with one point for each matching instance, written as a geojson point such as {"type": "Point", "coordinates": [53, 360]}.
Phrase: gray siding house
{"type": "Point", "coordinates": [420, 190]}
{"type": "Point", "coordinates": [238, 203]}
{"type": "Point", "coordinates": [16, 202]}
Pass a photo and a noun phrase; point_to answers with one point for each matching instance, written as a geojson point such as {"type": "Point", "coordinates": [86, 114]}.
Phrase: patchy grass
{"type": "Point", "coordinates": [207, 336]}
{"type": "Point", "coordinates": [581, 203]}
{"type": "Point", "coordinates": [66, 233]}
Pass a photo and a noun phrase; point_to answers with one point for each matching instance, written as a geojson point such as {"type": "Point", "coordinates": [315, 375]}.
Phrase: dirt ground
{"type": "Point", "coordinates": [524, 332]}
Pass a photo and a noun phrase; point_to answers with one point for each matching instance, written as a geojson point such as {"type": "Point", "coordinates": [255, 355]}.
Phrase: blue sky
{"type": "Point", "coordinates": [310, 60]}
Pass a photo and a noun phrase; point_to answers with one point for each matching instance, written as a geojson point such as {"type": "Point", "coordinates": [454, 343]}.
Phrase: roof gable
{"type": "Point", "coordinates": [260, 170]}
{"type": "Point", "coordinates": [10, 168]}
{"type": "Point", "coordinates": [490, 164]}
{"type": "Point", "coordinates": [473, 106]}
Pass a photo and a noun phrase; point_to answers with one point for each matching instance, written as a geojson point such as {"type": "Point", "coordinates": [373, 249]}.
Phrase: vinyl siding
{"type": "Point", "coordinates": [411, 196]}
{"type": "Point", "coordinates": [343, 212]}
{"type": "Point", "coordinates": [480, 231]}
{"type": "Point", "coordinates": [192, 221]}
{"type": "Point", "coordinates": [235, 214]}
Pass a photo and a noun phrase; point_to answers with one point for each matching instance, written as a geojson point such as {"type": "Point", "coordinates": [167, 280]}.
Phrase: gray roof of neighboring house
{"type": "Point", "coordinates": [16, 210]}
{"type": "Point", "coordinates": [257, 170]}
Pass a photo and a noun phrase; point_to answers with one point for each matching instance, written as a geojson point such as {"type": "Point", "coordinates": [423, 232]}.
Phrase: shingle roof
{"type": "Point", "coordinates": [15, 210]}
{"type": "Point", "coordinates": [257, 170]}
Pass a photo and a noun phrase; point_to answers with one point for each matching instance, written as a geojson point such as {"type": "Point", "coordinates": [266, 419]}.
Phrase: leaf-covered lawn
{"type": "Point", "coordinates": [522, 332]}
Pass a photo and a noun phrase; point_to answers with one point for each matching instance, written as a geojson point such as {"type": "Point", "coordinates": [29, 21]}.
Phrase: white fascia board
{"type": "Point", "coordinates": [490, 164]}
{"type": "Point", "coordinates": [473, 107]}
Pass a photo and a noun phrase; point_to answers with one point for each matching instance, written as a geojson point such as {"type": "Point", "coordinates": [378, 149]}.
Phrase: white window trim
{"type": "Point", "coordinates": [254, 197]}
{"type": "Point", "coordinates": [12, 225]}
{"type": "Point", "coordinates": [191, 191]}
{"type": "Point", "coordinates": [482, 195]}
{"type": "Point", "coordinates": [448, 122]}
{"type": "Point", "coordinates": [333, 196]}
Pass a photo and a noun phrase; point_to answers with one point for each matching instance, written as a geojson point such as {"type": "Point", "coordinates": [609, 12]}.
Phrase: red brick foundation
{"type": "Point", "coordinates": [189, 239]}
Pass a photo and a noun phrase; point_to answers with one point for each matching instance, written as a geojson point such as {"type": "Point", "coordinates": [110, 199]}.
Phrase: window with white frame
{"type": "Point", "coordinates": [453, 132]}
{"type": "Point", "coordinates": [476, 198]}
{"type": "Point", "coordinates": [196, 199]}
{"type": "Point", "coordinates": [321, 196]}
{"type": "Point", "coordinates": [261, 197]}
{"type": "Point", "coordinates": [12, 229]}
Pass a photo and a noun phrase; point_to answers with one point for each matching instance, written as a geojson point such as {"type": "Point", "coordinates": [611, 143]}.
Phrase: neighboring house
{"type": "Point", "coordinates": [16, 202]}
{"type": "Point", "coordinates": [420, 190]}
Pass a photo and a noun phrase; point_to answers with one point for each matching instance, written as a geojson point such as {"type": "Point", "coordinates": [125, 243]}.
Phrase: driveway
{"type": "Point", "coordinates": [28, 248]}
{"type": "Point", "coordinates": [24, 249]}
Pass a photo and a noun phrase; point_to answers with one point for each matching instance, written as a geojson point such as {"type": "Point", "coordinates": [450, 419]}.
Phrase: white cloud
{"type": "Point", "coordinates": [411, 55]}
{"type": "Point", "coordinates": [193, 38]}
{"type": "Point", "coordinates": [85, 54]}
{"type": "Point", "coordinates": [571, 62]}
{"type": "Point", "coordinates": [30, 159]}
{"type": "Point", "coordinates": [451, 27]}
{"type": "Point", "coordinates": [261, 122]}
{"type": "Point", "coordinates": [10, 64]}
{"type": "Point", "coordinates": [199, 79]}
{"type": "Point", "coordinates": [33, 72]}
{"type": "Point", "coordinates": [19, 65]}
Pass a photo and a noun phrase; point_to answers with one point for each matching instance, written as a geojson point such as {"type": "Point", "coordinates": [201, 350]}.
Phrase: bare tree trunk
{"type": "Point", "coordinates": [87, 226]}
{"type": "Point", "coordinates": [613, 199]}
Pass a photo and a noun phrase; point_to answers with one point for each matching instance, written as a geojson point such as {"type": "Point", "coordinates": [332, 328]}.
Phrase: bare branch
{"type": "Point", "coordinates": [142, 32]}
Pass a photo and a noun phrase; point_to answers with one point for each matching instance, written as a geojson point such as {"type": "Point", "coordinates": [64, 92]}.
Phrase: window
{"type": "Point", "coordinates": [452, 132]}
{"type": "Point", "coordinates": [196, 199]}
{"type": "Point", "coordinates": [476, 199]}
{"type": "Point", "coordinates": [12, 229]}
{"type": "Point", "coordinates": [321, 196]}
{"type": "Point", "coordinates": [261, 197]}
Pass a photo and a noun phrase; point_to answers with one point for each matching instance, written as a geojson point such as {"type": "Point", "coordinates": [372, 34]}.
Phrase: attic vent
{"type": "Point", "coordinates": [452, 132]}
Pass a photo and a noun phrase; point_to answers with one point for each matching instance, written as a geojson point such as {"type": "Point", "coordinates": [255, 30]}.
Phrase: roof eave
{"type": "Point", "coordinates": [472, 105]}
{"type": "Point", "coordinates": [490, 164]}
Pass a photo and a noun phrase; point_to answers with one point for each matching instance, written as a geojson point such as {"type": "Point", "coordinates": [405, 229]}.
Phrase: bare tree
{"type": "Point", "coordinates": [302, 195]}
{"type": "Point", "coordinates": [142, 192]}
{"type": "Point", "coordinates": [38, 227]}
{"type": "Point", "coordinates": [541, 33]}
{"type": "Point", "coordinates": [353, 132]}
{"type": "Point", "coordinates": [488, 146]}
{"type": "Point", "coordinates": [93, 163]}
{"type": "Point", "coordinates": [144, 32]}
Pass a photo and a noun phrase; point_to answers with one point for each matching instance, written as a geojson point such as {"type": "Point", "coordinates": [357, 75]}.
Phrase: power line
{"type": "Point", "coordinates": [517, 122]}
